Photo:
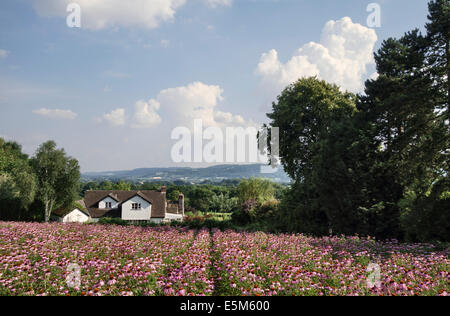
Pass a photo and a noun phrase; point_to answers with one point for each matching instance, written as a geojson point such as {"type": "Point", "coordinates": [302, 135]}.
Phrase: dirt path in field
{"type": "Point", "coordinates": [214, 273]}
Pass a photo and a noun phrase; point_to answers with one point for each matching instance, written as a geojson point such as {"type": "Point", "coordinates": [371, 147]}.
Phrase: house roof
{"type": "Point", "coordinates": [141, 195]}
{"type": "Point", "coordinates": [156, 198]}
{"type": "Point", "coordinates": [114, 197]}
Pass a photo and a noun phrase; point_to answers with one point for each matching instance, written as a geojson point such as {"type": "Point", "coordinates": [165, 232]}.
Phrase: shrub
{"type": "Point", "coordinates": [112, 221]}
{"type": "Point", "coordinates": [267, 211]}
{"type": "Point", "coordinates": [240, 217]}
{"type": "Point", "coordinates": [427, 218]}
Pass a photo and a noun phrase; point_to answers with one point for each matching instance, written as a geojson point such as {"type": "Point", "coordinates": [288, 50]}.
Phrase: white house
{"type": "Point", "coordinates": [137, 206]}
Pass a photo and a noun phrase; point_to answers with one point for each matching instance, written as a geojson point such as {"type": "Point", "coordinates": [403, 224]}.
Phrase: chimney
{"type": "Point", "coordinates": [181, 204]}
{"type": "Point", "coordinates": [163, 189]}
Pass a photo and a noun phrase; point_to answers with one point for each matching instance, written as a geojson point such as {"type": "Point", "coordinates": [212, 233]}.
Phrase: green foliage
{"type": "Point", "coordinates": [208, 220]}
{"type": "Point", "coordinates": [222, 203]}
{"type": "Point", "coordinates": [427, 218]}
{"type": "Point", "coordinates": [253, 213]}
{"type": "Point", "coordinates": [438, 53]}
{"type": "Point", "coordinates": [260, 190]}
{"type": "Point", "coordinates": [241, 217]}
{"type": "Point", "coordinates": [17, 181]}
{"type": "Point", "coordinates": [375, 164]}
{"type": "Point", "coordinates": [122, 186]}
{"type": "Point", "coordinates": [267, 211]}
{"type": "Point", "coordinates": [303, 114]}
{"type": "Point", "coordinates": [173, 195]}
{"type": "Point", "coordinates": [199, 198]}
{"type": "Point", "coordinates": [106, 185]}
{"type": "Point", "coordinates": [58, 177]}
{"type": "Point", "coordinates": [112, 221]}
{"type": "Point", "coordinates": [299, 212]}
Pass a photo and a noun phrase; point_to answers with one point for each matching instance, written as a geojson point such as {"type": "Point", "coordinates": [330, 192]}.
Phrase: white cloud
{"type": "Point", "coordinates": [115, 118]}
{"type": "Point", "coordinates": [194, 101]}
{"type": "Point", "coordinates": [3, 53]}
{"type": "Point", "coordinates": [56, 114]}
{"type": "Point", "coordinates": [101, 14]}
{"type": "Point", "coordinates": [229, 118]}
{"type": "Point", "coordinates": [374, 76]}
{"type": "Point", "coordinates": [341, 57]}
{"type": "Point", "coordinates": [219, 3]}
{"type": "Point", "coordinates": [146, 115]}
{"type": "Point", "coordinates": [183, 105]}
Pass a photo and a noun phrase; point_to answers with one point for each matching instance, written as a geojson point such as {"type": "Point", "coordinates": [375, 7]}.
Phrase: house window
{"type": "Point", "coordinates": [136, 206]}
{"type": "Point", "coordinates": [108, 204]}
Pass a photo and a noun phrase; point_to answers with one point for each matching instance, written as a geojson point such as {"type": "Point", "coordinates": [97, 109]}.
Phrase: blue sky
{"type": "Point", "coordinates": [111, 93]}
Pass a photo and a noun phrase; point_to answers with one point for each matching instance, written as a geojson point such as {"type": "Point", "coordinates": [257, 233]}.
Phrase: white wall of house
{"type": "Point", "coordinates": [174, 217]}
{"type": "Point", "coordinates": [76, 216]}
{"type": "Point", "coordinates": [102, 204]}
{"type": "Point", "coordinates": [144, 214]}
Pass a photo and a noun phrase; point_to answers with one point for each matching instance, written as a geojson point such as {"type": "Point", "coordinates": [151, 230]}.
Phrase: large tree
{"type": "Point", "coordinates": [379, 166]}
{"type": "Point", "coordinates": [303, 113]}
{"type": "Point", "coordinates": [58, 177]}
{"type": "Point", "coordinates": [404, 109]}
{"type": "Point", "coordinates": [17, 180]}
{"type": "Point", "coordinates": [438, 52]}
{"type": "Point", "coordinates": [307, 114]}
{"type": "Point", "coordinates": [408, 107]}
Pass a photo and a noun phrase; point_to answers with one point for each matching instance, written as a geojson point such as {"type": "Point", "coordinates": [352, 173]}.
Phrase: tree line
{"type": "Point", "coordinates": [32, 187]}
{"type": "Point", "coordinates": [203, 198]}
{"type": "Point", "coordinates": [376, 163]}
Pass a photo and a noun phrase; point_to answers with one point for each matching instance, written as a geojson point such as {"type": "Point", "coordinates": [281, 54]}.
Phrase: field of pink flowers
{"type": "Point", "coordinates": [114, 260]}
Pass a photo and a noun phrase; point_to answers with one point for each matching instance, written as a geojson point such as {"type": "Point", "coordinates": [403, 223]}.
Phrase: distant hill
{"type": "Point", "coordinates": [189, 175]}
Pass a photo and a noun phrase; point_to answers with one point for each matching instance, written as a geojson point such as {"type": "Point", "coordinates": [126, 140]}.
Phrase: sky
{"type": "Point", "coordinates": [112, 91]}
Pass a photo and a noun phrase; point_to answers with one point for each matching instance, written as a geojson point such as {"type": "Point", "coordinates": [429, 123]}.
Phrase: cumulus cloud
{"type": "Point", "coordinates": [146, 115]}
{"type": "Point", "coordinates": [3, 53]}
{"type": "Point", "coordinates": [342, 56]}
{"type": "Point", "coordinates": [56, 114]}
{"type": "Point", "coordinates": [182, 105]}
{"type": "Point", "coordinates": [219, 3]}
{"type": "Point", "coordinates": [194, 101]}
{"type": "Point", "coordinates": [115, 118]}
{"type": "Point", "coordinates": [101, 14]}
{"type": "Point", "coordinates": [229, 118]}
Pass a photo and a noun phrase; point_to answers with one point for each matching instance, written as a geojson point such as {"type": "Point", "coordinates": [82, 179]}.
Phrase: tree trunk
{"type": "Point", "coordinates": [48, 209]}
{"type": "Point", "coordinates": [46, 216]}
{"type": "Point", "coordinates": [52, 203]}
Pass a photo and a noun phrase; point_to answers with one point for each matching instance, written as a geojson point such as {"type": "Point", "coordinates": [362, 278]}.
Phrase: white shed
{"type": "Point", "coordinates": [76, 216]}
